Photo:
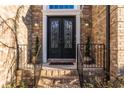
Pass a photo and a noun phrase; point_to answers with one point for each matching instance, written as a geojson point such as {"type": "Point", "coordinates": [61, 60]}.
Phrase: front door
{"type": "Point", "coordinates": [61, 37]}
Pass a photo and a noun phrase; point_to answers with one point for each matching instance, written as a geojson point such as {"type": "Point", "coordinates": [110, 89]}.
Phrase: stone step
{"type": "Point", "coordinates": [61, 60]}
{"type": "Point", "coordinates": [52, 77]}
{"type": "Point", "coordinates": [58, 73]}
{"type": "Point", "coordinates": [58, 82]}
{"type": "Point", "coordinates": [24, 77]}
{"type": "Point", "coordinates": [58, 78]}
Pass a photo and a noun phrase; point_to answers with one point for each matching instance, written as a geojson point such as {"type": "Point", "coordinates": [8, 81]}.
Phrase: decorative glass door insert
{"type": "Point", "coordinates": [61, 37]}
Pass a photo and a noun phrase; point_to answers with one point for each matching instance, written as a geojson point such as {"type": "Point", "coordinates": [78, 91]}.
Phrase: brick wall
{"type": "Point", "coordinates": [116, 35]}
{"type": "Point", "coordinates": [98, 24]}
{"type": "Point", "coordinates": [7, 51]}
{"type": "Point", "coordinates": [28, 30]}
{"type": "Point", "coordinates": [86, 18]}
{"type": "Point", "coordinates": [120, 35]}
{"type": "Point", "coordinates": [99, 32]}
{"type": "Point", "coordinates": [113, 41]}
{"type": "Point", "coordinates": [36, 30]}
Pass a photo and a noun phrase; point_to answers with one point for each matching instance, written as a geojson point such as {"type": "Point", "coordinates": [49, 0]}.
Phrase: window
{"type": "Point", "coordinates": [61, 6]}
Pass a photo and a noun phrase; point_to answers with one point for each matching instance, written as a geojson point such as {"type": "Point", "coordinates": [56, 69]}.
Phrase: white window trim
{"type": "Point", "coordinates": [59, 12]}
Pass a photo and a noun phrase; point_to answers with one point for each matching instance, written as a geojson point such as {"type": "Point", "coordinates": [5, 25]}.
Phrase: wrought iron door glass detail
{"type": "Point", "coordinates": [54, 33]}
{"type": "Point", "coordinates": [60, 37]}
{"type": "Point", "coordinates": [67, 34]}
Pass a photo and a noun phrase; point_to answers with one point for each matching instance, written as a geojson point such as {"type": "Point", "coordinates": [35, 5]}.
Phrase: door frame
{"type": "Point", "coordinates": [56, 12]}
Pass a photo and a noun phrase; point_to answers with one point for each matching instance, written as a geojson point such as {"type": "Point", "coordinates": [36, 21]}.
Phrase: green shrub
{"type": "Point", "coordinates": [22, 85]}
{"type": "Point", "coordinates": [87, 52]}
{"type": "Point", "coordinates": [34, 51]}
{"type": "Point", "coordinates": [117, 83]}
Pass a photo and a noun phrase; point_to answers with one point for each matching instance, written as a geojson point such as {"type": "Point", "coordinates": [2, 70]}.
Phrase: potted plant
{"type": "Point", "coordinates": [35, 50]}
{"type": "Point", "coordinates": [87, 57]}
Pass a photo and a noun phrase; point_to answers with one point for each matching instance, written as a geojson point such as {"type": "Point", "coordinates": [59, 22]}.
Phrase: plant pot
{"type": "Point", "coordinates": [33, 59]}
{"type": "Point", "coordinates": [87, 60]}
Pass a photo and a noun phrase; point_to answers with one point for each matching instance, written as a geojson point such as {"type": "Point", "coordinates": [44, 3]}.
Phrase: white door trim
{"type": "Point", "coordinates": [47, 12]}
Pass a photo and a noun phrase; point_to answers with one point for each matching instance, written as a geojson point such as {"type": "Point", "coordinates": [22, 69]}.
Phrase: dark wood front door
{"type": "Point", "coordinates": [61, 37]}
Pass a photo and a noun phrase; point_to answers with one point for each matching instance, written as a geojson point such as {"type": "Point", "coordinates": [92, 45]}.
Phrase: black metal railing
{"type": "Point", "coordinates": [91, 63]}
{"type": "Point", "coordinates": [37, 67]}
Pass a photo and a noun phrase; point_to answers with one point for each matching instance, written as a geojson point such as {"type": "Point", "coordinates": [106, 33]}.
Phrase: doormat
{"type": "Point", "coordinates": [61, 63]}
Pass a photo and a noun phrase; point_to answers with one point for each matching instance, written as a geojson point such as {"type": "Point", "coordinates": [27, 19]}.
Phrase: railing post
{"type": "Point", "coordinates": [104, 63]}
{"type": "Point", "coordinates": [34, 75]}
{"type": "Point", "coordinates": [17, 54]}
{"type": "Point", "coordinates": [77, 56]}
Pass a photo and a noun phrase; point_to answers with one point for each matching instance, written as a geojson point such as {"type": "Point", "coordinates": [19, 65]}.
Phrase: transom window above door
{"type": "Point", "coordinates": [62, 6]}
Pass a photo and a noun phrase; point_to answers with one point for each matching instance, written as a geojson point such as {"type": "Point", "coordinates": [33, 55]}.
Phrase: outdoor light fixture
{"type": "Point", "coordinates": [36, 24]}
{"type": "Point", "coordinates": [86, 24]}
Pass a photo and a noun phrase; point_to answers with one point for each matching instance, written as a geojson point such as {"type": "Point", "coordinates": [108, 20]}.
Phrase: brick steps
{"type": "Point", "coordinates": [58, 83]}
{"type": "Point", "coordinates": [25, 77]}
{"type": "Point", "coordinates": [58, 73]}
{"type": "Point", "coordinates": [51, 78]}
{"type": "Point", "coordinates": [61, 60]}
{"type": "Point", "coordinates": [57, 78]}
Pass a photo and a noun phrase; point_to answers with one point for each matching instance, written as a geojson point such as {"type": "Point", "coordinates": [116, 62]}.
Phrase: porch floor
{"type": "Point", "coordinates": [70, 67]}
{"type": "Point", "coordinates": [60, 67]}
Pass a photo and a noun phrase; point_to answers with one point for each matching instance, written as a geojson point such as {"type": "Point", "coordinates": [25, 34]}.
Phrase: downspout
{"type": "Point", "coordinates": [107, 42]}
